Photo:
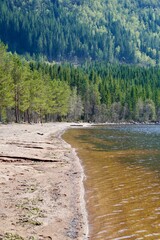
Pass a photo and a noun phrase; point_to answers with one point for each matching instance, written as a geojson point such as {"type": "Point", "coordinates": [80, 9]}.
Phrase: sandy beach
{"type": "Point", "coordinates": [41, 184]}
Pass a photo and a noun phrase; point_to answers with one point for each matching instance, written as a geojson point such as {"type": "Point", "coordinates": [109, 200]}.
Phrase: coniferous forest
{"type": "Point", "coordinates": [35, 91]}
{"type": "Point", "coordinates": [77, 60]}
{"type": "Point", "coordinates": [77, 30]}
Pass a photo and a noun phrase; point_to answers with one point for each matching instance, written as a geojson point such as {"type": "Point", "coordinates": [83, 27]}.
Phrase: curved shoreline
{"type": "Point", "coordinates": [53, 185]}
{"type": "Point", "coordinates": [81, 183]}
{"type": "Point", "coordinates": [82, 192]}
{"type": "Point", "coordinates": [82, 198]}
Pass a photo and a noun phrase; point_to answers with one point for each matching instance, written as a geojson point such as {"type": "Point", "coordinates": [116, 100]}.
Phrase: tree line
{"type": "Point", "coordinates": [27, 94]}
{"type": "Point", "coordinates": [94, 92]}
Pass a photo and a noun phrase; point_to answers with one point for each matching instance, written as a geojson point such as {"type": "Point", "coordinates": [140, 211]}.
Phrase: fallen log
{"type": "Point", "coordinates": [5, 158]}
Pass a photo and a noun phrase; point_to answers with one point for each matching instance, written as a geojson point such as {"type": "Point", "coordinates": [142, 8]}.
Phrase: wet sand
{"type": "Point", "coordinates": [41, 184]}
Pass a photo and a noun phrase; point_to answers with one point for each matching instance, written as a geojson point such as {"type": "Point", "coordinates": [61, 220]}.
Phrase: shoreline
{"type": "Point", "coordinates": [81, 182]}
{"type": "Point", "coordinates": [82, 192]}
{"type": "Point", "coordinates": [41, 184]}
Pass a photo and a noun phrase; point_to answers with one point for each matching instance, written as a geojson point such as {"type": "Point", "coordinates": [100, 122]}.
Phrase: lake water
{"type": "Point", "coordinates": [122, 165]}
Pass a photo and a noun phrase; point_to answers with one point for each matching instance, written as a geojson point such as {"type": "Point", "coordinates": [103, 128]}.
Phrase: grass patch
{"type": "Point", "coordinates": [30, 212]}
{"type": "Point", "coordinates": [11, 236]}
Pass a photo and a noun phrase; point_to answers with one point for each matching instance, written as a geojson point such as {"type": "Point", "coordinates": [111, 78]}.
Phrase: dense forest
{"type": "Point", "coordinates": [33, 91]}
{"type": "Point", "coordinates": [76, 30]}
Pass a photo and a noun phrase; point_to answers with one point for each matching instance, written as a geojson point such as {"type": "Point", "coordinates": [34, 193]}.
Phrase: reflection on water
{"type": "Point", "coordinates": [122, 164]}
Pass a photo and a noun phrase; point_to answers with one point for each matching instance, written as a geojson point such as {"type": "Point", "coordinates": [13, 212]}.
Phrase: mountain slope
{"type": "Point", "coordinates": [123, 31]}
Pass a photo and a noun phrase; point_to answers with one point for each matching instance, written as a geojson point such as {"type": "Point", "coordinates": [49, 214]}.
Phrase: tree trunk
{"type": "Point", "coordinates": [28, 116]}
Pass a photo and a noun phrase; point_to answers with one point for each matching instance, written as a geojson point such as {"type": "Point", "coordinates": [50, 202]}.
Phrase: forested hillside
{"type": "Point", "coordinates": [97, 92]}
{"type": "Point", "coordinates": [126, 31]}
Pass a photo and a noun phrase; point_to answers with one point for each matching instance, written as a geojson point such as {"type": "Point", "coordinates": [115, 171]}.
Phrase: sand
{"type": "Point", "coordinates": [41, 184]}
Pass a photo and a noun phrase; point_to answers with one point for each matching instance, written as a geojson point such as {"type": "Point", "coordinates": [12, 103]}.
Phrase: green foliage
{"type": "Point", "coordinates": [29, 92]}
{"type": "Point", "coordinates": [60, 97]}
{"type": "Point", "coordinates": [75, 106]}
{"type": "Point", "coordinates": [116, 31]}
{"type": "Point", "coordinates": [109, 92]}
{"type": "Point", "coordinates": [36, 91]}
{"type": "Point", "coordinates": [6, 82]}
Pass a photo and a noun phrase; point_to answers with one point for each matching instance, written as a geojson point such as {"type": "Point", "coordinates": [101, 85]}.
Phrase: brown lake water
{"type": "Point", "coordinates": [122, 168]}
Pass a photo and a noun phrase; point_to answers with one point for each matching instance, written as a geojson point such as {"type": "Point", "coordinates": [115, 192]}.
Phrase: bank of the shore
{"type": "Point", "coordinates": [41, 184]}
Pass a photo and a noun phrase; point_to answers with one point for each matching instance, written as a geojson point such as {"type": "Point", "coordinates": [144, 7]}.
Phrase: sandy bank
{"type": "Point", "coordinates": [41, 185]}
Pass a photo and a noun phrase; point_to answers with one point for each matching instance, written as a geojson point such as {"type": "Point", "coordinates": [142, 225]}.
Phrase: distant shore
{"type": "Point", "coordinates": [41, 184]}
